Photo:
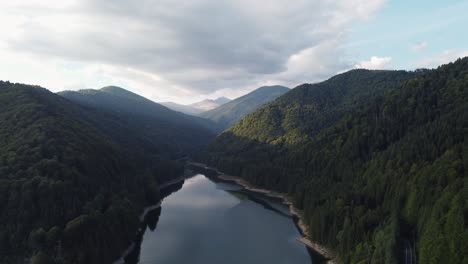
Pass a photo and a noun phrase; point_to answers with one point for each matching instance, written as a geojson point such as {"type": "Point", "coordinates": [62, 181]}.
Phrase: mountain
{"type": "Point", "coordinates": [67, 172]}
{"type": "Point", "coordinates": [209, 104]}
{"type": "Point", "coordinates": [229, 113]}
{"type": "Point", "coordinates": [222, 100]}
{"type": "Point", "coordinates": [157, 124]}
{"type": "Point", "coordinates": [186, 109]}
{"type": "Point", "coordinates": [376, 160]}
{"type": "Point", "coordinates": [198, 107]}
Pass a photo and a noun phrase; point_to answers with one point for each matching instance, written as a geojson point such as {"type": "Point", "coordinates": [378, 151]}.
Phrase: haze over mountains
{"type": "Point", "coordinates": [225, 112]}
{"type": "Point", "coordinates": [209, 104]}
{"type": "Point", "coordinates": [198, 107]}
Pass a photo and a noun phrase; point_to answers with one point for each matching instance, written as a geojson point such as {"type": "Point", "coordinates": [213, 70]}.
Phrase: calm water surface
{"type": "Point", "coordinates": [215, 222]}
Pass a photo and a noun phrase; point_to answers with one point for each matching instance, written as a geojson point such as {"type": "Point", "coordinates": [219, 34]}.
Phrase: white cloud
{"type": "Point", "coordinates": [374, 63]}
{"type": "Point", "coordinates": [313, 64]}
{"type": "Point", "coordinates": [420, 46]}
{"type": "Point", "coordinates": [175, 49]}
{"type": "Point", "coordinates": [441, 58]}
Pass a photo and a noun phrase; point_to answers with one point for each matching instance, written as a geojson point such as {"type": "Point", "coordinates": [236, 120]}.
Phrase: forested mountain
{"type": "Point", "coordinates": [73, 179]}
{"type": "Point", "coordinates": [156, 124]}
{"type": "Point", "coordinates": [229, 113]}
{"type": "Point", "coordinates": [378, 161]}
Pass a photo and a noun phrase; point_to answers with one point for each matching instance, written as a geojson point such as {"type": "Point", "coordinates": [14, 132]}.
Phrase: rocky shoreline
{"type": "Point", "coordinates": [303, 227]}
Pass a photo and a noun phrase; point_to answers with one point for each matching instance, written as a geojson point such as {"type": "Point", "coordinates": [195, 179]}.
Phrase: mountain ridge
{"type": "Point", "coordinates": [228, 113]}
{"type": "Point", "coordinates": [139, 111]}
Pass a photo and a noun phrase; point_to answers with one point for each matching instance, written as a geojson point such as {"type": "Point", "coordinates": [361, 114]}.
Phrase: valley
{"type": "Point", "coordinates": [233, 132]}
{"type": "Point", "coordinates": [364, 167]}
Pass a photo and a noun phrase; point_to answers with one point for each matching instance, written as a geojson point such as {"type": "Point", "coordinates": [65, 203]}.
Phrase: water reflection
{"type": "Point", "coordinates": [217, 222]}
{"type": "Point", "coordinates": [150, 222]}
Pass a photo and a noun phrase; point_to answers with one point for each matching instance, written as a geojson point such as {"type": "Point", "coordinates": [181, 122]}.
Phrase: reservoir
{"type": "Point", "coordinates": [203, 220]}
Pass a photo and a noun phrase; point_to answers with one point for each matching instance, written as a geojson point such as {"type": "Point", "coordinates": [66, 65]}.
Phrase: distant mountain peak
{"type": "Point", "coordinates": [209, 104]}
{"type": "Point", "coordinates": [227, 114]}
{"type": "Point", "coordinates": [221, 100]}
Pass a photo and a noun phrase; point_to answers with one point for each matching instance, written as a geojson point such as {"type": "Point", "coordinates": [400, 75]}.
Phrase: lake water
{"type": "Point", "coordinates": [217, 222]}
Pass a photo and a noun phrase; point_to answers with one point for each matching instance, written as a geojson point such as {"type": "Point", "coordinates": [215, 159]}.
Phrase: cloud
{"type": "Point", "coordinates": [441, 58]}
{"type": "Point", "coordinates": [176, 48]}
{"type": "Point", "coordinates": [374, 63]}
{"type": "Point", "coordinates": [420, 46]}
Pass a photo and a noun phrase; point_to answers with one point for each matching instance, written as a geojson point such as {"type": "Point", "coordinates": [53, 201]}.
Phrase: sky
{"type": "Point", "coordinates": [188, 50]}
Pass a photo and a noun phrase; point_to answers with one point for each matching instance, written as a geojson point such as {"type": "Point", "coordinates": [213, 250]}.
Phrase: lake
{"type": "Point", "coordinates": [207, 221]}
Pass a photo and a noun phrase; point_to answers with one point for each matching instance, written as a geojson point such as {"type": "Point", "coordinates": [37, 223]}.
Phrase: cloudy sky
{"type": "Point", "coordinates": [188, 50]}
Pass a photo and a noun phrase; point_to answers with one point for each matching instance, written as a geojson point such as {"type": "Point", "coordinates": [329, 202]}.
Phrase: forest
{"type": "Point", "coordinates": [74, 179]}
{"type": "Point", "coordinates": [377, 161]}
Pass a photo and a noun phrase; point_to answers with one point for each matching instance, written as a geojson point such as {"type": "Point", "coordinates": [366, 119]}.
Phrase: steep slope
{"type": "Point", "coordinates": [373, 176]}
{"type": "Point", "coordinates": [64, 182]}
{"type": "Point", "coordinates": [157, 124]}
{"type": "Point", "coordinates": [308, 108]}
{"type": "Point", "coordinates": [229, 113]}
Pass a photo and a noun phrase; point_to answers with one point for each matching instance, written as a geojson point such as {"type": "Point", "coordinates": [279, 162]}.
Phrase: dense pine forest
{"type": "Point", "coordinates": [74, 179]}
{"type": "Point", "coordinates": [377, 160]}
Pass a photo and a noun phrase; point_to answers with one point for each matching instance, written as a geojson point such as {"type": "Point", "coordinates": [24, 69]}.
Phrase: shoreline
{"type": "Point", "coordinates": [142, 216]}
{"type": "Point", "coordinates": [327, 254]}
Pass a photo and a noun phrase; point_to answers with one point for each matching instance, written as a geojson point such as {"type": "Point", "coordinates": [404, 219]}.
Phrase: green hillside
{"type": "Point", "coordinates": [229, 113]}
{"type": "Point", "coordinates": [378, 160]}
{"type": "Point", "coordinates": [69, 191]}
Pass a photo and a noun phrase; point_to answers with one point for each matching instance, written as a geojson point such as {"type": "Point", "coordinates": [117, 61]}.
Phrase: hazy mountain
{"type": "Point", "coordinates": [221, 100]}
{"type": "Point", "coordinates": [67, 171]}
{"type": "Point", "coordinates": [209, 104]}
{"type": "Point", "coordinates": [377, 161]}
{"type": "Point", "coordinates": [229, 113]}
{"type": "Point", "coordinates": [198, 107]}
{"type": "Point", "coordinates": [187, 109]}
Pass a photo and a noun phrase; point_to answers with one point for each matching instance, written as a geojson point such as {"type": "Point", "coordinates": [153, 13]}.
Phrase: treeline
{"type": "Point", "coordinates": [71, 191]}
{"type": "Point", "coordinates": [373, 173]}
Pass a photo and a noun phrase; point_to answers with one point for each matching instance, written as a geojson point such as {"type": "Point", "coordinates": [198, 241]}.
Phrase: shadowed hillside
{"type": "Point", "coordinates": [157, 124]}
